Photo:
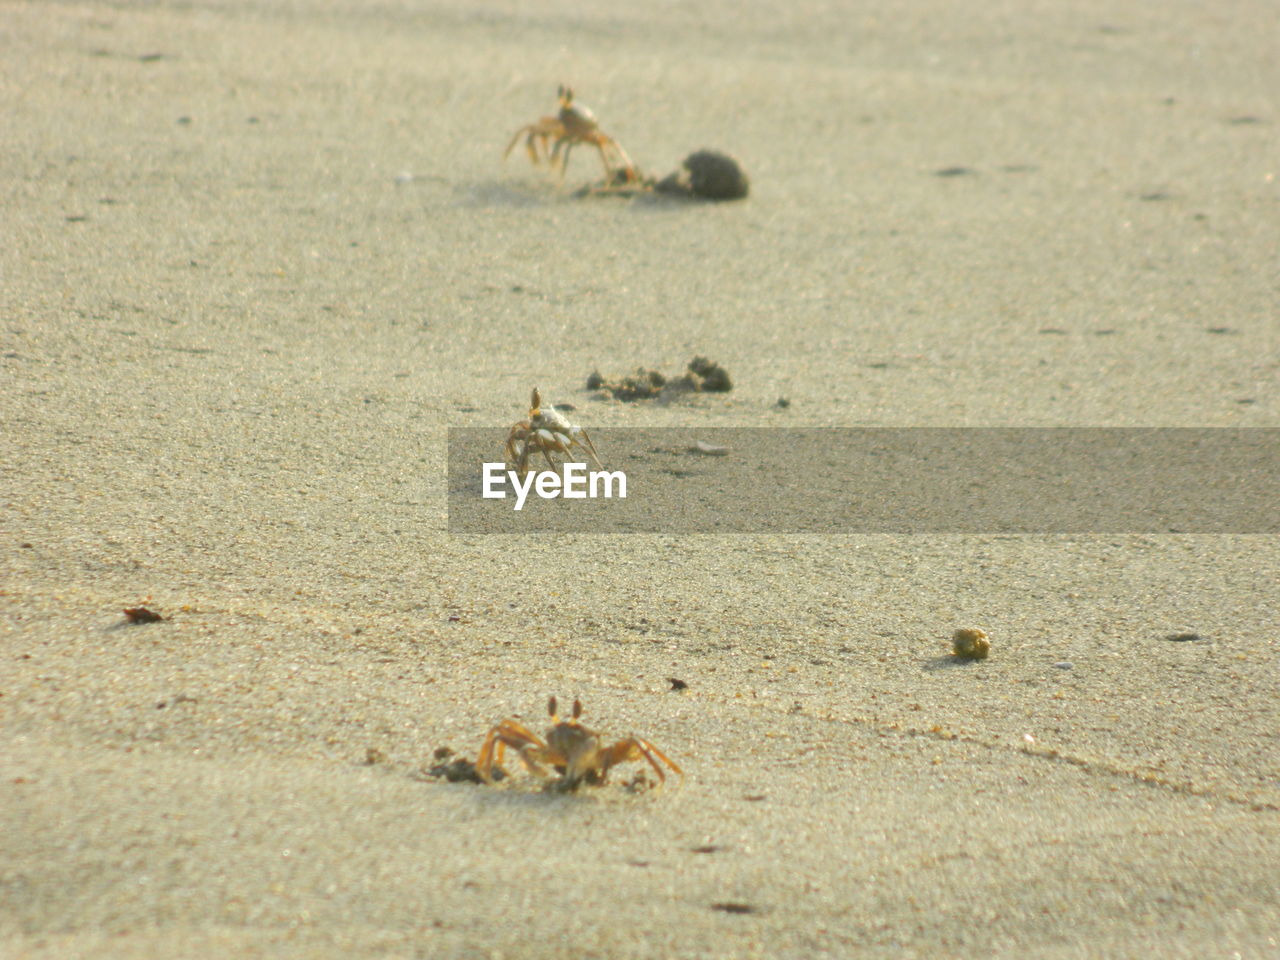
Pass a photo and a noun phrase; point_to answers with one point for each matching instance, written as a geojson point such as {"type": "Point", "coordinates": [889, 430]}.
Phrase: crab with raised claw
{"type": "Point", "coordinates": [547, 431]}
{"type": "Point", "coordinates": [551, 139]}
{"type": "Point", "coordinates": [577, 753]}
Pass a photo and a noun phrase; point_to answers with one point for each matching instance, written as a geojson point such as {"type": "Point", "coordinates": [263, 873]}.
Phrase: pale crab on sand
{"type": "Point", "coordinates": [547, 431]}
{"type": "Point", "coordinates": [577, 753]}
{"type": "Point", "coordinates": [551, 139]}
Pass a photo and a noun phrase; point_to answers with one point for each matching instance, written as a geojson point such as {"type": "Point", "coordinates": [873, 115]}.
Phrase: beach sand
{"type": "Point", "coordinates": [258, 257]}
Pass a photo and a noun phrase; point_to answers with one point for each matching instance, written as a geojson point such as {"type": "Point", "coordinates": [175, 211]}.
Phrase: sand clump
{"type": "Point", "coordinates": [700, 376]}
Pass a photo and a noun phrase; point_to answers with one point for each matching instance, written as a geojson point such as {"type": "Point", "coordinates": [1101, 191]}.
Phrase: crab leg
{"type": "Point", "coordinates": [564, 157]}
{"type": "Point", "coordinates": [589, 447]}
{"type": "Point", "coordinates": [634, 749]}
{"type": "Point", "coordinates": [509, 733]}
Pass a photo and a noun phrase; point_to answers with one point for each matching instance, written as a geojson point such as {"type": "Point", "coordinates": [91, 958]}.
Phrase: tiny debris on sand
{"type": "Point", "coordinates": [141, 615]}
{"type": "Point", "coordinates": [457, 770]}
{"type": "Point", "coordinates": [734, 907]}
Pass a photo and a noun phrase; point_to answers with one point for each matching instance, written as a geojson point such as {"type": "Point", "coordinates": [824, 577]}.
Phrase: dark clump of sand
{"type": "Point", "coordinates": [700, 376]}
{"type": "Point", "coordinates": [707, 175]}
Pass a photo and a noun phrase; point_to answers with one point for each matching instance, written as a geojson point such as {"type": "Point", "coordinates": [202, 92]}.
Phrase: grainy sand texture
{"type": "Point", "coordinates": [258, 256]}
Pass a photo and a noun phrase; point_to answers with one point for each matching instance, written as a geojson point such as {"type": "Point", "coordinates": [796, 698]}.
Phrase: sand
{"type": "Point", "coordinates": [257, 259]}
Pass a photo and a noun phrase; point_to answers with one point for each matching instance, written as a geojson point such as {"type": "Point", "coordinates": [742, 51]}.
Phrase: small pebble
{"type": "Point", "coordinates": [709, 449]}
{"type": "Point", "coordinates": [1065, 665]}
{"type": "Point", "coordinates": [970, 644]}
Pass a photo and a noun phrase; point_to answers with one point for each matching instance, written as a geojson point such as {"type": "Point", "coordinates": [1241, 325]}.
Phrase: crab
{"type": "Point", "coordinates": [546, 431]}
{"type": "Point", "coordinates": [575, 752]}
{"type": "Point", "coordinates": [574, 124]}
